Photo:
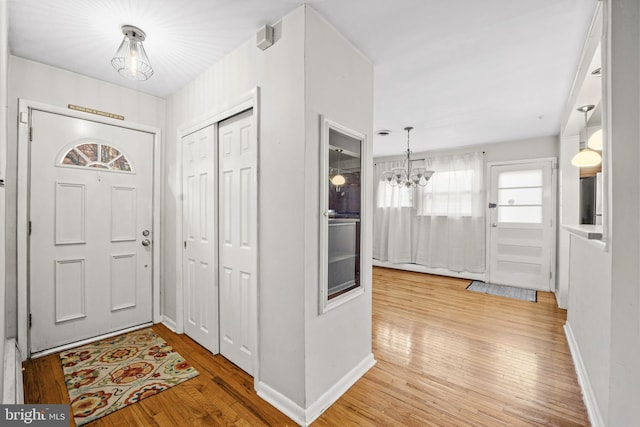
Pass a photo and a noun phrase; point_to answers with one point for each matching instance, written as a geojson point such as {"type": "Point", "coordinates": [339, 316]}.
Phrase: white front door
{"type": "Point", "coordinates": [238, 239]}
{"type": "Point", "coordinates": [200, 248]}
{"type": "Point", "coordinates": [90, 213]}
{"type": "Point", "coordinates": [521, 225]}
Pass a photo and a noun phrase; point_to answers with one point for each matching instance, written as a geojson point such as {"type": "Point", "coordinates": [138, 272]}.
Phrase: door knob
{"type": "Point", "coordinates": [145, 233]}
{"type": "Point", "coordinates": [146, 242]}
{"type": "Point", "coordinates": [494, 224]}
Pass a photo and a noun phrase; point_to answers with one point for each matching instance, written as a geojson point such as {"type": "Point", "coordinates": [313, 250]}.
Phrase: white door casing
{"type": "Point", "coordinates": [89, 271]}
{"type": "Point", "coordinates": [238, 239]}
{"type": "Point", "coordinates": [200, 250]}
{"type": "Point", "coordinates": [521, 227]}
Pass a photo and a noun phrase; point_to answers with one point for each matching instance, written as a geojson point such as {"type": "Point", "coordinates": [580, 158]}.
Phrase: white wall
{"type": "Point", "coordinates": [53, 86]}
{"type": "Point", "coordinates": [584, 267]}
{"type": "Point", "coordinates": [279, 72]}
{"type": "Point", "coordinates": [585, 90]}
{"type": "Point", "coordinates": [310, 70]}
{"type": "Point", "coordinates": [589, 313]}
{"type": "Point", "coordinates": [215, 90]}
{"type": "Point", "coordinates": [604, 282]}
{"type": "Point", "coordinates": [568, 212]}
{"type": "Point", "coordinates": [339, 85]}
{"type": "Point", "coordinates": [532, 148]}
{"type": "Point", "coordinates": [282, 214]}
{"type": "Point", "coordinates": [624, 89]}
{"type": "Point", "coordinates": [4, 58]}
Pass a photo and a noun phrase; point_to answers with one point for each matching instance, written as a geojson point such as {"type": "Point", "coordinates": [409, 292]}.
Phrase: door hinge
{"type": "Point", "coordinates": [550, 275]}
{"type": "Point", "coordinates": [30, 228]}
{"type": "Point", "coordinates": [30, 320]}
{"type": "Point", "coordinates": [30, 134]}
{"type": "Point", "coordinates": [185, 244]}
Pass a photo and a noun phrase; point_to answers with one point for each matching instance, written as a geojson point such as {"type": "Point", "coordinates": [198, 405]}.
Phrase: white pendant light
{"type": "Point", "coordinates": [586, 157]}
{"type": "Point", "coordinates": [595, 140]}
{"type": "Point", "coordinates": [131, 60]}
{"type": "Point", "coordinates": [338, 179]}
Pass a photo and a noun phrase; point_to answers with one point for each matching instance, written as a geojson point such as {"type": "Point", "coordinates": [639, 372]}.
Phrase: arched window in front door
{"type": "Point", "coordinates": [96, 155]}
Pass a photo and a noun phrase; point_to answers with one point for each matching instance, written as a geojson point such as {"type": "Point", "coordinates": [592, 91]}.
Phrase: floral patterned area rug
{"type": "Point", "coordinates": [108, 375]}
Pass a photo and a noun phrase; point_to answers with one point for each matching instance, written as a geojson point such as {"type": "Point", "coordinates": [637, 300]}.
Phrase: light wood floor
{"type": "Point", "coordinates": [446, 357]}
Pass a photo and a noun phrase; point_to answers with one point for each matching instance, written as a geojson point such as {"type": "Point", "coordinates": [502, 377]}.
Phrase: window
{"type": "Point", "coordinates": [394, 197]}
{"type": "Point", "coordinates": [440, 225]}
{"type": "Point", "coordinates": [96, 155]}
{"type": "Point", "coordinates": [388, 196]}
{"type": "Point", "coordinates": [455, 189]}
{"type": "Point", "coordinates": [520, 196]}
{"type": "Point", "coordinates": [448, 193]}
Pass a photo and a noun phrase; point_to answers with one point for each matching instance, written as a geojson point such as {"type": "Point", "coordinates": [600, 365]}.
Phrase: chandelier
{"type": "Point", "coordinates": [407, 176]}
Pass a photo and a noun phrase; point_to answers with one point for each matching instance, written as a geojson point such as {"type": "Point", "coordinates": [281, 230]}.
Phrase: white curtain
{"type": "Point", "coordinates": [392, 218]}
{"type": "Point", "coordinates": [442, 224]}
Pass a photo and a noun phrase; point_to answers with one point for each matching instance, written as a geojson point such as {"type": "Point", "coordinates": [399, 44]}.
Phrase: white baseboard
{"type": "Point", "coordinates": [282, 403]}
{"type": "Point", "coordinates": [583, 379]}
{"type": "Point", "coordinates": [169, 323]}
{"type": "Point", "coordinates": [423, 269]}
{"type": "Point", "coordinates": [330, 396]}
{"type": "Point", "coordinates": [305, 417]}
{"type": "Point", "coordinates": [12, 387]}
{"type": "Point", "coordinates": [561, 300]}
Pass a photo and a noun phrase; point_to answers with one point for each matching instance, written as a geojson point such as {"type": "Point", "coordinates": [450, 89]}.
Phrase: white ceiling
{"type": "Point", "coordinates": [461, 72]}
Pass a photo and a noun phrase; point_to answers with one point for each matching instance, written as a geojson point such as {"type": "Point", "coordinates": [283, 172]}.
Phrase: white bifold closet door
{"type": "Point", "coordinates": [220, 238]}
{"type": "Point", "coordinates": [200, 248]}
{"type": "Point", "coordinates": [238, 239]}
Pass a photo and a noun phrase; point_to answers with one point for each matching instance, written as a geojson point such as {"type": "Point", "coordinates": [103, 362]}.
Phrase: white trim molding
{"type": "Point", "coordinates": [13, 387]}
{"type": "Point", "coordinates": [305, 417]}
{"type": "Point", "coordinates": [169, 323]}
{"type": "Point", "coordinates": [429, 270]}
{"type": "Point", "coordinates": [583, 380]}
{"type": "Point", "coordinates": [326, 125]}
